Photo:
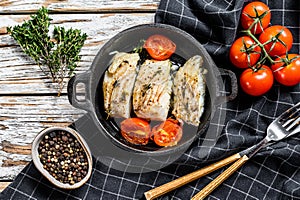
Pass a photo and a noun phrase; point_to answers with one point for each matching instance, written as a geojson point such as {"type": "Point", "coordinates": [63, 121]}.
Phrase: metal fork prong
{"type": "Point", "coordinates": [288, 122]}
{"type": "Point", "coordinates": [295, 123]}
{"type": "Point", "coordinates": [289, 116]}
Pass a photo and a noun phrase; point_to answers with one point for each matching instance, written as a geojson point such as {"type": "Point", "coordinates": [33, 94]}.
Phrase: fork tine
{"type": "Point", "coordinates": [290, 119]}
{"type": "Point", "coordinates": [289, 116]}
{"type": "Point", "coordinates": [295, 123]}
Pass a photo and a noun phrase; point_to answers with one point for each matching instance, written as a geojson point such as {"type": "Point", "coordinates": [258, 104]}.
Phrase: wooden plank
{"type": "Point", "coordinates": [21, 119]}
{"type": "Point", "coordinates": [8, 147]}
{"type": "Point", "coordinates": [19, 74]}
{"type": "Point", "coordinates": [23, 115]}
{"type": "Point", "coordinates": [3, 185]}
{"type": "Point", "coordinates": [29, 6]}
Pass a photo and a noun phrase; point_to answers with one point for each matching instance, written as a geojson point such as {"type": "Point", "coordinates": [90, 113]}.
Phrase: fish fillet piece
{"type": "Point", "coordinates": [118, 84]}
{"type": "Point", "coordinates": [152, 90]}
{"type": "Point", "coordinates": [189, 91]}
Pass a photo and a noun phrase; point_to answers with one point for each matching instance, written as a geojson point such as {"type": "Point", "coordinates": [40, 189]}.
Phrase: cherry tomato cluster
{"type": "Point", "coordinates": [138, 131]}
{"type": "Point", "coordinates": [263, 52]}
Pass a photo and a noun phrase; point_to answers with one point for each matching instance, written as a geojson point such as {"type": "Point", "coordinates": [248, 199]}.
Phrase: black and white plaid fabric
{"type": "Point", "coordinates": [274, 173]}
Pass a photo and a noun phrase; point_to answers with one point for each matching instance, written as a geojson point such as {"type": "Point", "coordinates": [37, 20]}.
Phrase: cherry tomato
{"type": "Point", "coordinates": [159, 47]}
{"type": "Point", "coordinates": [257, 82]}
{"type": "Point", "coordinates": [136, 130]}
{"type": "Point", "coordinates": [256, 11]}
{"type": "Point", "coordinates": [276, 48]}
{"type": "Point", "coordinates": [241, 56]}
{"type": "Point", "coordinates": [287, 72]}
{"type": "Point", "coordinates": [167, 133]}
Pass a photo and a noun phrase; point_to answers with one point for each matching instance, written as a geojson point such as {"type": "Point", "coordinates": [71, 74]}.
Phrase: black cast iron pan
{"type": "Point", "coordinates": [107, 132]}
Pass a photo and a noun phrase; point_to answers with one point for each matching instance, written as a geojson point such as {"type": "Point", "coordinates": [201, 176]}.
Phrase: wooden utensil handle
{"type": "Point", "coordinates": [220, 179]}
{"type": "Point", "coordinates": [163, 189]}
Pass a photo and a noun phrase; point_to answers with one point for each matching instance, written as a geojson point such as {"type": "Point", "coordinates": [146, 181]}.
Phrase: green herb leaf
{"type": "Point", "coordinates": [60, 53]}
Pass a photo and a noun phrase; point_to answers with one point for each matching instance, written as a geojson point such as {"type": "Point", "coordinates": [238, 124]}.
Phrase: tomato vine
{"type": "Point", "coordinates": [272, 43]}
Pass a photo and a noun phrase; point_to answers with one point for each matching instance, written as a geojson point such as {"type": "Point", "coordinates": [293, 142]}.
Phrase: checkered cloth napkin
{"type": "Point", "coordinates": [274, 173]}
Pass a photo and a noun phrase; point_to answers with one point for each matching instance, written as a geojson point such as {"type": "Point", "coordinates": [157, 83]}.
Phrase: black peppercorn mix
{"type": "Point", "coordinates": [63, 157]}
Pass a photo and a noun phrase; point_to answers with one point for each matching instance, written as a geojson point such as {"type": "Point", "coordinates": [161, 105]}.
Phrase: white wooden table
{"type": "Point", "coordinates": [28, 100]}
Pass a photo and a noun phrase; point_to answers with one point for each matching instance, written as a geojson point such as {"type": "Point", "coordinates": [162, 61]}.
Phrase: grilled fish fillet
{"type": "Point", "coordinates": [118, 84]}
{"type": "Point", "coordinates": [189, 91]}
{"type": "Point", "coordinates": [152, 90]}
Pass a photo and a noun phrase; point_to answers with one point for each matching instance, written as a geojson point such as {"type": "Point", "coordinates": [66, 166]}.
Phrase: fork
{"type": "Point", "coordinates": [286, 125]}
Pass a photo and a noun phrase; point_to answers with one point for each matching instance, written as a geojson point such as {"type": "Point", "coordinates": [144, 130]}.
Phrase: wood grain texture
{"type": "Point", "coordinates": [220, 179]}
{"type": "Point", "coordinates": [19, 74]}
{"type": "Point", "coordinates": [21, 119]}
{"type": "Point", "coordinates": [167, 187]}
{"type": "Point", "coordinates": [3, 185]}
{"type": "Point", "coordinates": [29, 6]}
{"type": "Point", "coordinates": [28, 101]}
{"type": "Point", "coordinates": [8, 147]}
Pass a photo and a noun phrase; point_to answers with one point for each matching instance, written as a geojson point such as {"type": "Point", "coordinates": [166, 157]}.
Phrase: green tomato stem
{"type": "Point", "coordinates": [267, 56]}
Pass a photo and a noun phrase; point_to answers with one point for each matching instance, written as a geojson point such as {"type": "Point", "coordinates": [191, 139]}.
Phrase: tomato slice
{"type": "Point", "coordinates": [167, 133]}
{"type": "Point", "coordinates": [136, 130]}
{"type": "Point", "coordinates": [160, 47]}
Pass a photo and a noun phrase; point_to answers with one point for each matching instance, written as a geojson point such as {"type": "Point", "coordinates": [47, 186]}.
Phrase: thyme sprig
{"type": "Point", "coordinates": [59, 53]}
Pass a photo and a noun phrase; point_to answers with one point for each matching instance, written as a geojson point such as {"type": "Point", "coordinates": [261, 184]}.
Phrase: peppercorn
{"type": "Point", "coordinates": [63, 157]}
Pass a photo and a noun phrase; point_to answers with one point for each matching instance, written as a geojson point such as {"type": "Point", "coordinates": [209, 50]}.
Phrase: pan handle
{"type": "Point", "coordinates": [78, 97]}
{"type": "Point", "coordinates": [233, 87]}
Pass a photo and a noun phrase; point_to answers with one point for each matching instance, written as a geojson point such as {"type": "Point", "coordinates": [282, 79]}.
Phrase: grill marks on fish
{"type": "Point", "coordinates": [118, 84]}
{"type": "Point", "coordinates": [148, 89]}
{"type": "Point", "coordinates": [189, 91]}
{"type": "Point", "coordinates": [152, 90]}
